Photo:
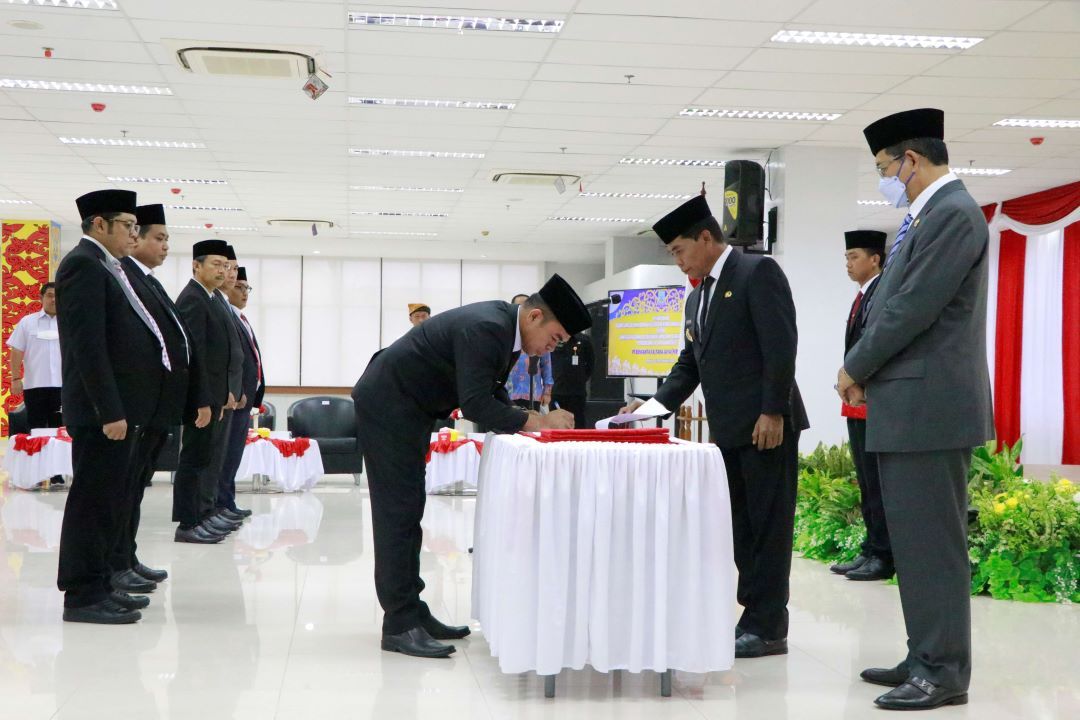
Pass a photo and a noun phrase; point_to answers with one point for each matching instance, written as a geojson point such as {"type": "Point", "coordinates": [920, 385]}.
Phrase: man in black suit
{"type": "Point", "coordinates": [213, 338]}
{"type": "Point", "coordinates": [458, 358]}
{"type": "Point", "coordinates": [254, 386]}
{"type": "Point", "coordinates": [114, 359]}
{"type": "Point", "coordinates": [571, 368]}
{"type": "Point", "coordinates": [740, 347]}
{"type": "Point", "coordinates": [865, 254]}
{"type": "Point", "coordinates": [183, 395]}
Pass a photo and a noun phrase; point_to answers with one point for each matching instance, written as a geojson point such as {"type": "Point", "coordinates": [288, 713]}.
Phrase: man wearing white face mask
{"type": "Point", "coordinates": [921, 361]}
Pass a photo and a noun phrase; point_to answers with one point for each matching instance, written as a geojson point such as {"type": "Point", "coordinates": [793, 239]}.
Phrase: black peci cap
{"type": "Point", "coordinates": [907, 125]}
{"type": "Point", "coordinates": [100, 202]}
{"type": "Point", "coordinates": [566, 305]}
{"type": "Point", "coordinates": [209, 247]}
{"type": "Point", "coordinates": [150, 215]}
{"type": "Point", "coordinates": [241, 274]}
{"type": "Point", "coordinates": [682, 218]}
{"type": "Point", "coordinates": [872, 240]}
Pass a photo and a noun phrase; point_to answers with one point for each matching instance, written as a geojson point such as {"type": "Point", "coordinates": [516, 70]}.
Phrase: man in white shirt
{"type": "Point", "coordinates": [35, 350]}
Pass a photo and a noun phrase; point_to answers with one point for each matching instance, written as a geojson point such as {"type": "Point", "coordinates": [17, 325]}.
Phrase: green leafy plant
{"type": "Point", "coordinates": [832, 461]}
{"type": "Point", "coordinates": [828, 523]}
{"type": "Point", "coordinates": [992, 470]}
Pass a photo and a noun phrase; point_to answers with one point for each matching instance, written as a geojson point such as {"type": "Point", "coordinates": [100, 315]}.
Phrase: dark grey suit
{"type": "Point", "coordinates": [922, 359]}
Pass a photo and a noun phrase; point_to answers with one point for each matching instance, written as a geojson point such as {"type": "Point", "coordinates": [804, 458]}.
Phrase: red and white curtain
{"type": "Point", "coordinates": [1033, 323]}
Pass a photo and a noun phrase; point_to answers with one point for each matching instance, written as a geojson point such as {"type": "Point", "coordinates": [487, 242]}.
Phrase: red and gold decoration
{"type": "Point", "coordinates": [30, 250]}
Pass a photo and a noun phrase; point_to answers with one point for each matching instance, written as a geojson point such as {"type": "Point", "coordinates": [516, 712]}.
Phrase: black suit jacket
{"type": "Point", "coordinates": [857, 324]}
{"type": "Point", "coordinates": [745, 359]}
{"type": "Point", "coordinates": [458, 358]}
{"type": "Point", "coordinates": [183, 390]}
{"type": "Point", "coordinates": [112, 368]}
{"type": "Point", "coordinates": [213, 337]}
{"type": "Point", "coordinates": [252, 387]}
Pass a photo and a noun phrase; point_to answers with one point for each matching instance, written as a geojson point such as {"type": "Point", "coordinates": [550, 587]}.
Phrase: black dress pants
{"type": "Point", "coordinates": [94, 513]}
{"type": "Point", "coordinates": [762, 486]}
{"type": "Point", "coordinates": [235, 440]}
{"type": "Point", "coordinates": [43, 407]}
{"type": "Point", "coordinates": [192, 470]}
{"type": "Point", "coordinates": [150, 443]}
{"type": "Point", "coordinates": [574, 404]}
{"type": "Point", "coordinates": [876, 543]}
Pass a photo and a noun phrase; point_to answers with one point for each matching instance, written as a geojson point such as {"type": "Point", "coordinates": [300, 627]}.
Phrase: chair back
{"type": "Point", "coordinates": [322, 416]}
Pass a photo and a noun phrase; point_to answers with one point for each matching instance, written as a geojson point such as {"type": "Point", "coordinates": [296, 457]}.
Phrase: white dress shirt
{"type": "Point", "coordinates": [517, 331]}
{"type": "Point", "coordinates": [37, 336]}
{"type": "Point", "coordinates": [928, 192]}
{"type": "Point", "coordinates": [717, 268]}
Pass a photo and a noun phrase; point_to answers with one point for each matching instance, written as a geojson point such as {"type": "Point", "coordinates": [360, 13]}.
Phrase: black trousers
{"type": "Point", "coordinates": [43, 407]}
{"type": "Point", "coordinates": [195, 481]}
{"type": "Point", "coordinates": [925, 497]}
{"type": "Point", "coordinates": [876, 543]}
{"type": "Point", "coordinates": [94, 514]}
{"type": "Point", "coordinates": [395, 437]}
{"type": "Point", "coordinates": [574, 404]}
{"type": "Point", "coordinates": [150, 442]}
{"type": "Point", "coordinates": [762, 486]}
{"type": "Point", "coordinates": [235, 439]}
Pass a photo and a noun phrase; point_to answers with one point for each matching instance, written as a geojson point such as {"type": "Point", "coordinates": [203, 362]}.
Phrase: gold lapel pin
{"type": "Point", "coordinates": [727, 294]}
{"type": "Point", "coordinates": [689, 336]}
{"type": "Point", "coordinates": [917, 221]}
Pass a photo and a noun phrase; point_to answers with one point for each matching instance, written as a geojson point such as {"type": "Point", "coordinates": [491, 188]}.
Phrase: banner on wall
{"type": "Point", "coordinates": [645, 329]}
{"type": "Point", "coordinates": [30, 251]}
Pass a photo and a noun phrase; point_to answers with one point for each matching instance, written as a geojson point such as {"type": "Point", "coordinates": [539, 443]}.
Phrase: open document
{"type": "Point", "coordinates": [649, 410]}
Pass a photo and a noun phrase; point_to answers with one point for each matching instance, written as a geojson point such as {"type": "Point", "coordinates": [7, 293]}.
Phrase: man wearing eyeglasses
{"type": "Point", "coordinates": [114, 361]}
{"type": "Point", "coordinates": [921, 361]}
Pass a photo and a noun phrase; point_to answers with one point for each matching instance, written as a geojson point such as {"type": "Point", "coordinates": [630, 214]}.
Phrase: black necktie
{"type": "Point", "coordinates": [705, 285]}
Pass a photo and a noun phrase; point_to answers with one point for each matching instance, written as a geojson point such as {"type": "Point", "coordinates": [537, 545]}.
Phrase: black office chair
{"type": "Point", "coordinates": [331, 421]}
{"type": "Point", "coordinates": [268, 418]}
{"type": "Point", "coordinates": [18, 422]}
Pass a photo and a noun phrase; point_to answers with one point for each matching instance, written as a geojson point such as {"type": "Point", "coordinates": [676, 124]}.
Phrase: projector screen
{"type": "Point", "coordinates": [644, 331]}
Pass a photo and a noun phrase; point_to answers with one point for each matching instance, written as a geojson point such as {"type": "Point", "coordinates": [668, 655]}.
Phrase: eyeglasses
{"type": "Point", "coordinates": [882, 170]}
{"type": "Point", "coordinates": [132, 228]}
{"type": "Point", "coordinates": [246, 289]}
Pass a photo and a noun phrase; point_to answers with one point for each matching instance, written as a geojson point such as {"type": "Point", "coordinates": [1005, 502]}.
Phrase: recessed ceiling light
{"type": "Point", "coordinates": [26, 25]}
{"type": "Point", "coordinates": [444, 22]}
{"type": "Point", "coordinates": [131, 142]}
{"type": "Point", "coordinates": [759, 114]}
{"type": "Point", "coordinates": [214, 228]}
{"type": "Point", "coordinates": [80, 4]}
{"type": "Point", "coordinates": [875, 202]}
{"type": "Point", "coordinates": [369, 152]}
{"type": "Point", "coordinates": [400, 234]}
{"type": "Point", "coordinates": [937, 42]}
{"type": "Point", "coordinates": [313, 252]}
{"type": "Point", "coordinates": [405, 189]}
{"type": "Point", "coordinates": [205, 207]}
{"type": "Point", "coordinates": [1038, 123]}
{"type": "Point", "coordinates": [15, 202]}
{"type": "Point", "coordinates": [389, 213]}
{"type": "Point", "coordinates": [463, 104]}
{"type": "Point", "coordinates": [171, 181]}
{"type": "Point", "coordinates": [78, 86]}
{"type": "Point", "coordinates": [670, 161]}
{"type": "Point", "coordinates": [636, 196]}
{"type": "Point", "coordinates": [566, 218]}
{"type": "Point", "coordinates": [980, 171]}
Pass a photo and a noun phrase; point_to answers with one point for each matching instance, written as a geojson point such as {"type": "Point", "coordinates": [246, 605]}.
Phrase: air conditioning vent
{"type": "Point", "coordinates": [535, 179]}
{"type": "Point", "coordinates": [237, 61]}
{"type": "Point", "coordinates": [299, 223]}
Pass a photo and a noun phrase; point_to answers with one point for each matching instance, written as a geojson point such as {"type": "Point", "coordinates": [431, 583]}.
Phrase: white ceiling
{"type": "Point", "coordinates": [286, 156]}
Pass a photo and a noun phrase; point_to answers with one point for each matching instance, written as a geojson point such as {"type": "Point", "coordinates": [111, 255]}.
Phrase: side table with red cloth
{"type": "Point", "coordinates": [453, 465]}
{"type": "Point", "coordinates": [31, 460]}
{"type": "Point", "coordinates": [294, 464]}
{"type": "Point", "coordinates": [614, 555]}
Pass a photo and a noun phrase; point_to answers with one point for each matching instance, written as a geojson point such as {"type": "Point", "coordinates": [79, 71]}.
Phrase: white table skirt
{"type": "Point", "coordinates": [291, 473]}
{"type": "Point", "coordinates": [26, 471]}
{"type": "Point", "coordinates": [459, 466]}
{"type": "Point", "coordinates": [613, 555]}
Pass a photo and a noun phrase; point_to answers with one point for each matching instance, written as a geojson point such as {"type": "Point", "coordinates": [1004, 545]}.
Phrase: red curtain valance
{"type": "Point", "coordinates": [1043, 207]}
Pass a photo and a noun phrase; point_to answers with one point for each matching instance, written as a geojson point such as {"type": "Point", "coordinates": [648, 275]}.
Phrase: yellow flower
{"type": "Point", "coordinates": [1065, 482]}
{"type": "Point", "coordinates": [999, 508]}
{"type": "Point", "coordinates": [1012, 502]}
{"type": "Point", "coordinates": [263, 432]}
{"type": "Point", "coordinates": [1000, 496]}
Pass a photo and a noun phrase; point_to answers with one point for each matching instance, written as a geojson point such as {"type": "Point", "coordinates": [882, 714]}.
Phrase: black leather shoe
{"type": "Point", "coordinates": [889, 677]}
{"type": "Point", "coordinates": [207, 529]}
{"type": "Point", "coordinates": [845, 568]}
{"type": "Point", "coordinates": [919, 694]}
{"type": "Point", "coordinates": [872, 569]}
{"type": "Point", "coordinates": [241, 512]}
{"type": "Point", "coordinates": [444, 632]}
{"type": "Point", "coordinates": [230, 516]}
{"type": "Point", "coordinates": [749, 645]}
{"type": "Point", "coordinates": [195, 535]}
{"type": "Point", "coordinates": [130, 602]}
{"type": "Point", "coordinates": [416, 642]}
{"type": "Point", "coordinates": [739, 632]}
{"type": "Point", "coordinates": [150, 573]}
{"type": "Point", "coordinates": [219, 526]}
{"type": "Point", "coordinates": [131, 582]}
{"type": "Point", "coordinates": [106, 612]}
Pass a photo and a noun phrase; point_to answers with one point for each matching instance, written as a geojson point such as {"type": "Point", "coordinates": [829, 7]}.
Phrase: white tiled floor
{"type": "Point", "coordinates": [281, 622]}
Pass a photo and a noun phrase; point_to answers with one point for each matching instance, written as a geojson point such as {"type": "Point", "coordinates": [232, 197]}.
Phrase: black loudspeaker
{"type": "Point", "coordinates": [601, 387]}
{"type": "Point", "coordinates": [744, 202]}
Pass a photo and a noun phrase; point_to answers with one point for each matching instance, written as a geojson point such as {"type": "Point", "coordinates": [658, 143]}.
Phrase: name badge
{"type": "Point", "coordinates": [574, 360]}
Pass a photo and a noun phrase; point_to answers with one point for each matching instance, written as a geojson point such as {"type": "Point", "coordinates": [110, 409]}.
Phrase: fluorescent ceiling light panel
{"type": "Point", "coordinates": [456, 22]}
{"type": "Point", "coordinates": [672, 161]}
{"type": "Point", "coordinates": [370, 152]}
{"type": "Point", "coordinates": [396, 234]}
{"type": "Point", "coordinates": [77, 86]}
{"type": "Point", "coordinates": [15, 202]}
{"type": "Point", "coordinates": [204, 207]}
{"type": "Point", "coordinates": [214, 228]}
{"type": "Point", "coordinates": [388, 188]}
{"type": "Point", "coordinates": [170, 181]}
{"type": "Point", "coordinates": [933, 42]}
{"type": "Point", "coordinates": [980, 171]}
{"type": "Point", "coordinates": [568, 218]}
{"type": "Point", "coordinates": [132, 142]}
{"type": "Point", "coordinates": [636, 196]}
{"type": "Point", "coordinates": [882, 203]}
{"type": "Point", "coordinates": [81, 4]}
{"type": "Point", "coordinates": [388, 213]}
{"type": "Point", "coordinates": [408, 103]}
{"type": "Point", "coordinates": [760, 114]}
{"type": "Point", "coordinates": [1037, 123]}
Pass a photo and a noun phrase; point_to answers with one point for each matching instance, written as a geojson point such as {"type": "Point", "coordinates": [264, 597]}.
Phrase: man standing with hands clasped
{"type": "Point", "coordinates": [921, 364]}
{"type": "Point", "coordinates": [740, 347]}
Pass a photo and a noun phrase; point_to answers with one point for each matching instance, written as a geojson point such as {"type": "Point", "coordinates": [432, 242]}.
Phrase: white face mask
{"type": "Point", "coordinates": [894, 189]}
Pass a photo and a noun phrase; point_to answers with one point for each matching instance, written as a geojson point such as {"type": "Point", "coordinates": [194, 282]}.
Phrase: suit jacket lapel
{"type": "Point", "coordinates": [719, 293]}
{"type": "Point", "coordinates": [127, 290]}
{"type": "Point", "coordinates": [692, 302]}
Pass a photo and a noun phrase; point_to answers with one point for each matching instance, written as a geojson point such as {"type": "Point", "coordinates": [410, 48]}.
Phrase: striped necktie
{"type": "Point", "coordinates": [119, 271]}
{"type": "Point", "coordinates": [900, 235]}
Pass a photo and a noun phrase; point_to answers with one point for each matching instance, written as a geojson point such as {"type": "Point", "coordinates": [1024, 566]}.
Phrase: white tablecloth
{"type": "Point", "coordinates": [26, 471]}
{"type": "Point", "coordinates": [291, 473]}
{"type": "Point", "coordinates": [614, 555]}
{"type": "Point", "coordinates": [459, 466]}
